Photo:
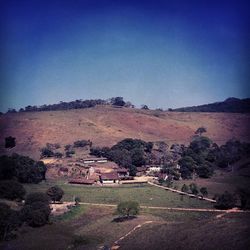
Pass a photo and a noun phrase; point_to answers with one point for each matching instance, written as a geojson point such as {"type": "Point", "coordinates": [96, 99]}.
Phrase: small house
{"type": "Point", "coordinates": [123, 173]}
{"type": "Point", "coordinates": [109, 178]}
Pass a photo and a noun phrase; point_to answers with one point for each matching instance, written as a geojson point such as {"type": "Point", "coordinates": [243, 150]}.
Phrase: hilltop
{"type": "Point", "coordinates": [230, 105]}
{"type": "Point", "coordinates": [106, 125]}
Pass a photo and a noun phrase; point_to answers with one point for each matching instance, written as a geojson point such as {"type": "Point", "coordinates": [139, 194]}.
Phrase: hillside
{"type": "Point", "coordinates": [106, 125]}
{"type": "Point", "coordinates": [230, 105]}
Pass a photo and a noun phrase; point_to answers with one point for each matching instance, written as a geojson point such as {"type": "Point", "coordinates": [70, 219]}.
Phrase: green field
{"type": "Point", "coordinates": [143, 193]}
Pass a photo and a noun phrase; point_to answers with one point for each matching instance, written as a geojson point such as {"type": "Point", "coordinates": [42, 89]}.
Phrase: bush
{"type": "Point", "coordinates": [193, 188]}
{"type": "Point", "coordinates": [204, 191]}
{"type": "Point", "coordinates": [81, 143]}
{"type": "Point", "coordinates": [225, 201]}
{"type": "Point", "coordinates": [58, 155]}
{"type": "Point", "coordinates": [128, 208]}
{"type": "Point", "coordinates": [10, 189]}
{"type": "Point", "coordinates": [184, 188]}
{"type": "Point", "coordinates": [46, 152]}
{"type": "Point", "coordinates": [55, 193]}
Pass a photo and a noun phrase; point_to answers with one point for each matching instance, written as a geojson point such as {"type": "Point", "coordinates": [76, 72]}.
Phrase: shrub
{"type": "Point", "coordinates": [81, 143]}
{"type": "Point", "coordinates": [58, 155]}
{"type": "Point", "coordinates": [10, 189]}
{"type": "Point", "coordinates": [193, 188]}
{"type": "Point", "coordinates": [184, 188]}
{"type": "Point", "coordinates": [55, 193]}
{"type": "Point", "coordinates": [204, 191]}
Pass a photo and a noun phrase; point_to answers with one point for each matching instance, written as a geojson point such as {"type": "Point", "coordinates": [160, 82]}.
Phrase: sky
{"type": "Point", "coordinates": [162, 53]}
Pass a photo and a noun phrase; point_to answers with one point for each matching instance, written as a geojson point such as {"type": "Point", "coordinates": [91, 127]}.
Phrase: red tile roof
{"type": "Point", "coordinates": [110, 176]}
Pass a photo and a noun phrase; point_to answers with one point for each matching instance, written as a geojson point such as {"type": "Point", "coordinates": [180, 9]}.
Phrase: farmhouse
{"type": "Point", "coordinates": [109, 178]}
{"type": "Point", "coordinates": [83, 181]}
{"type": "Point", "coordinates": [122, 173]}
{"type": "Point", "coordinates": [94, 160]}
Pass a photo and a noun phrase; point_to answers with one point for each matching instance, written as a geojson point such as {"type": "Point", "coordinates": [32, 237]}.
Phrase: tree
{"type": "Point", "coordinates": [36, 197]}
{"type": "Point", "coordinates": [10, 189]}
{"type": "Point", "coordinates": [244, 196]}
{"type": "Point", "coordinates": [128, 208]}
{"type": "Point", "coordinates": [55, 193]}
{"type": "Point", "coordinates": [184, 188]}
{"type": "Point", "coordinates": [23, 168]}
{"type": "Point", "coordinates": [117, 101]}
{"type": "Point", "coordinates": [36, 210]}
{"type": "Point", "coordinates": [187, 167]}
{"type": "Point", "coordinates": [193, 188]}
{"type": "Point", "coordinates": [145, 107]}
{"type": "Point", "coordinates": [9, 222]}
{"type": "Point", "coordinates": [204, 191]}
{"type": "Point", "coordinates": [10, 142]}
{"type": "Point", "coordinates": [225, 201]}
{"type": "Point", "coordinates": [200, 131]}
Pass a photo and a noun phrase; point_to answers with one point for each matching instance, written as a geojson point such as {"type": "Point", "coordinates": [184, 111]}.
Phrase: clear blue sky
{"type": "Point", "coordinates": [160, 53]}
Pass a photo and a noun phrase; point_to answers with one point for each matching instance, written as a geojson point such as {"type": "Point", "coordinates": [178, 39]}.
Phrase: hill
{"type": "Point", "coordinates": [105, 125]}
{"type": "Point", "coordinates": [230, 105]}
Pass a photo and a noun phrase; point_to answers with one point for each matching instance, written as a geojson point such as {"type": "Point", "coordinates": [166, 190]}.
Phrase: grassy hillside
{"type": "Point", "coordinates": [107, 125]}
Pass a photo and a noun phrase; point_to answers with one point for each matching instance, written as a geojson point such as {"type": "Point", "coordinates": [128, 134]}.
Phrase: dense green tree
{"type": "Point", "coordinates": [36, 210]}
{"type": "Point", "coordinates": [12, 190]}
{"type": "Point", "coordinates": [128, 208]}
{"type": "Point", "coordinates": [55, 193]}
{"type": "Point", "coordinates": [200, 131]}
{"type": "Point", "coordinates": [225, 201]}
{"type": "Point", "coordinates": [23, 168]}
{"type": "Point", "coordinates": [36, 197]}
{"type": "Point", "coordinates": [118, 101]}
{"type": "Point", "coordinates": [9, 222]}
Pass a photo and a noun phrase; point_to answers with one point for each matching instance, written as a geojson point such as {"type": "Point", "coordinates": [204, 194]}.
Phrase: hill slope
{"type": "Point", "coordinates": [230, 105]}
{"type": "Point", "coordinates": [107, 125]}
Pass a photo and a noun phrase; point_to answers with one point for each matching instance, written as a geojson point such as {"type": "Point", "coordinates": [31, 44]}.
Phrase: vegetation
{"type": "Point", "coordinates": [203, 191]}
{"type": "Point", "coordinates": [11, 190]}
{"type": "Point", "coordinates": [36, 210]}
{"type": "Point", "coordinates": [230, 105]}
{"type": "Point", "coordinates": [129, 153]}
{"type": "Point", "coordinates": [55, 193]}
{"type": "Point", "coordinates": [185, 188]}
{"type": "Point", "coordinates": [77, 104]}
{"type": "Point", "coordinates": [128, 208]}
{"type": "Point", "coordinates": [82, 143]}
{"type": "Point", "coordinates": [9, 222]}
{"type": "Point", "coordinates": [10, 142]}
{"type": "Point", "coordinates": [193, 188]}
{"type": "Point", "coordinates": [23, 168]}
{"type": "Point", "coordinates": [225, 201]}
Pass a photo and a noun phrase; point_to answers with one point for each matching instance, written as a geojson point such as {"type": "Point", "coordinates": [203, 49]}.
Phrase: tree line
{"type": "Point", "coordinates": [77, 104]}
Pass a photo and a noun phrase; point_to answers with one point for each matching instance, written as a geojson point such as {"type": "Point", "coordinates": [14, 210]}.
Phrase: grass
{"type": "Point", "coordinates": [73, 213]}
{"type": "Point", "coordinates": [144, 194]}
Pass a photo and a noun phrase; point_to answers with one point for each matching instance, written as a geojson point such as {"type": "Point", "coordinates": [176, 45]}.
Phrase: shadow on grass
{"type": "Point", "coordinates": [124, 218]}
